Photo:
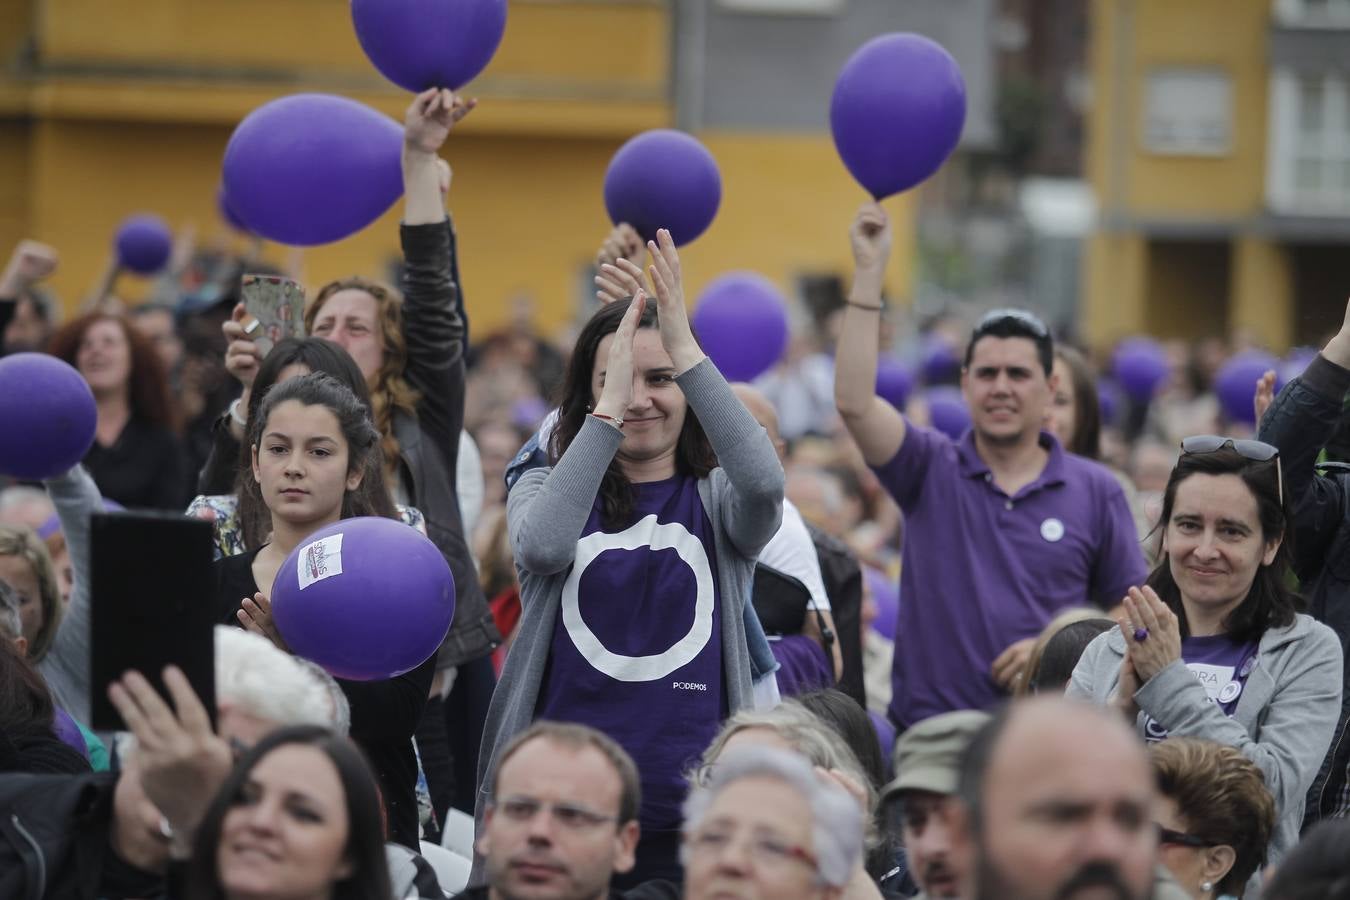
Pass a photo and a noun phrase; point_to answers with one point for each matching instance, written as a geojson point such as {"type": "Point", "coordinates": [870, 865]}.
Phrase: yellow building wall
{"type": "Point", "coordinates": [1130, 284]}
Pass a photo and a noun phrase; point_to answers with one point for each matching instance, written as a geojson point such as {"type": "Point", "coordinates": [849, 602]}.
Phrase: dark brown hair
{"type": "Point", "coordinates": [1223, 798]}
{"type": "Point", "coordinates": [693, 453]}
{"type": "Point", "coordinates": [148, 385]}
{"type": "Point", "coordinates": [1269, 603]}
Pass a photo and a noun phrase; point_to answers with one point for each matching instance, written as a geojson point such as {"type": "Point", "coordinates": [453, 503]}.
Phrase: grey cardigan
{"type": "Point", "coordinates": [1283, 721]}
{"type": "Point", "coordinates": [548, 508]}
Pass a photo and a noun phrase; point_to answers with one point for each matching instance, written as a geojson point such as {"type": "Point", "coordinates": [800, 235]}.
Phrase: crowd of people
{"type": "Point", "coordinates": [770, 640]}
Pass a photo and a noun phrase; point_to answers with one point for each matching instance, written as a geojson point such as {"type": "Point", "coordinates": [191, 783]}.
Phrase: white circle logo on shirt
{"type": "Point", "coordinates": [1230, 692]}
{"type": "Point", "coordinates": [1052, 530]}
{"type": "Point", "coordinates": [647, 532]}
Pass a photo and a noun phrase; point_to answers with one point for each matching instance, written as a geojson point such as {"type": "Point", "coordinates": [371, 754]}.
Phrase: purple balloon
{"type": "Point", "coordinates": [1295, 361]}
{"type": "Point", "coordinates": [420, 44]}
{"type": "Point", "coordinates": [313, 168]}
{"type": "Point", "coordinates": [940, 363]}
{"type": "Point", "coordinates": [1235, 383]}
{"type": "Point", "coordinates": [741, 320]}
{"type": "Point", "coordinates": [366, 598]}
{"type": "Point", "coordinates": [1108, 401]}
{"type": "Point", "coordinates": [227, 212]}
{"type": "Point", "coordinates": [1140, 366]}
{"type": "Point", "coordinates": [947, 410]}
{"type": "Point", "coordinates": [47, 416]}
{"type": "Point", "coordinates": [895, 380]}
{"type": "Point", "coordinates": [143, 243]}
{"type": "Point", "coordinates": [897, 111]}
{"type": "Point", "coordinates": [663, 179]}
{"type": "Point", "coordinates": [886, 596]}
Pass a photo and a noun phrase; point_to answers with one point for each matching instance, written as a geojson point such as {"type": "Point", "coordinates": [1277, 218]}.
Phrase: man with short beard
{"type": "Point", "coordinates": [921, 803]}
{"type": "Point", "coordinates": [562, 817]}
{"type": "Point", "coordinates": [1058, 802]}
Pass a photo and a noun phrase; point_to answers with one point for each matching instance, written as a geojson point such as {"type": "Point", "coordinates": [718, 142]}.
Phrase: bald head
{"type": "Point", "coordinates": [1060, 797]}
{"type": "Point", "coordinates": [762, 410]}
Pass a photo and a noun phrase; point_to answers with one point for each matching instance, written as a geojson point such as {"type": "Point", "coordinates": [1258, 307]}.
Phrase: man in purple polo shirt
{"type": "Point", "coordinates": [1003, 528]}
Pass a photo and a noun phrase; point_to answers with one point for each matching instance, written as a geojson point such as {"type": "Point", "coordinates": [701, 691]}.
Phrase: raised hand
{"type": "Point", "coordinates": [617, 391]}
{"type": "Point", "coordinates": [430, 117]}
{"type": "Point", "coordinates": [870, 235]}
{"type": "Point", "coordinates": [623, 242]}
{"type": "Point", "coordinates": [618, 281]}
{"type": "Point", "coordinates": [28, 264]}
{"type": "Point", "coordinates": [1265, 395]}
{"type": "Point", "coordinates": [242, 356]}
{"type": "Point", "coordinates": [676, 336]}
{"type": "Point", "coordinates": [1154, 638]}
{"type": "Point", "coordinates": [181, 760]}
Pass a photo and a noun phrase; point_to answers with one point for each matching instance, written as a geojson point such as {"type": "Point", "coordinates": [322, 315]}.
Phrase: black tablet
{"type": "Point", "coordinates": [151, 605]}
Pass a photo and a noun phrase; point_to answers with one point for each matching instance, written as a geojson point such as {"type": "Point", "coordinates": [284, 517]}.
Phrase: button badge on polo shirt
{"type": "Point", "coordinates": [1230, 691]}
{"type": "Point", "coordinates": [1052, 530]}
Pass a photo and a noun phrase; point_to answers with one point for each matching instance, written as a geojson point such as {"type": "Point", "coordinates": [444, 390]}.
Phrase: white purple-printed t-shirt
{"type": "Point", "coordinates": [637, 647]}
{"type": "Point", "coordinates": [1221, 665]}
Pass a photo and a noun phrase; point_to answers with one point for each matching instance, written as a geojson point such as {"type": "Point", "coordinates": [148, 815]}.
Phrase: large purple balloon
{"type": "Point", "coordinates": [897, 111]}
{"type": "Point", "coordinates": [143, 243]}
{"type": "Point", "coordinates": [1141, 366]}
{"type": "Point", "coordinates": [1235, 383]}
{"type": "Point", "coordinates": [227, 211]}
{"type": "Point", "coordinates": [366, 598]}
{"type": "Point", "coordinates": [895, 380]}
{"type": "Point", "coordinates": [947, 410]}
{"type": "Point", "coordinates": [47, 416]}
{"type": "Point", "coordinates": [741, 320]}
{"type": "Point", "coordinates": [663, 179]}
{"type": "Point", "coordinates": [313, 168]}
{"type": "Point", "coordinates": [420, 44]}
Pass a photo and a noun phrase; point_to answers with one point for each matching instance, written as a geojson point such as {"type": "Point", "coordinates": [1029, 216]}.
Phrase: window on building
{"type": "Point", "coordinates": [1188, 112]}
{"type": "Point", "coordinates": [1309, 160]}
{"type": "Point", "coordinates": [1313, 13]}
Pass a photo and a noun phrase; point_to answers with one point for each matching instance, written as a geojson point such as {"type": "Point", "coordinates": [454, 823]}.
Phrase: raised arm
{"type": "Point", "coordinates": [876, 426]}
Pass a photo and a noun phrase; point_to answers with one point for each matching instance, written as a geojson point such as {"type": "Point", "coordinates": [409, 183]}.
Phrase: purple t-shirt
{"type": "Point", "coordinates": [637, 647]}
{"type": "Point", "coordinates": [982, 569]}
{"type": "Point", "coordinates": [1221, 665]}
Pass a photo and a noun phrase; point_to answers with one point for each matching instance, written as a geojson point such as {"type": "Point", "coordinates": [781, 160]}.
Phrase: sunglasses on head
{"type": "Point", "coordinates": [1021, 317]}
{"type": "Point", "coordinates": [1256, 451]}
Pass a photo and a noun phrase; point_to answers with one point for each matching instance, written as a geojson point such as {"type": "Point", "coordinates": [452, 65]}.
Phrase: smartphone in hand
{"type": "Point", "coordinates": [276, 309]}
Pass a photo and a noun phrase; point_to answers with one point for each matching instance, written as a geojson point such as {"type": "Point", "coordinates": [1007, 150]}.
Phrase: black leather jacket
{"type": "Point", "coordinates": [1300, 422]}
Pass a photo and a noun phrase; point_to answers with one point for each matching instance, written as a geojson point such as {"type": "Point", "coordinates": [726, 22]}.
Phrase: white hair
{"type": "Point", "coordinates": [256, 677]}
{"type": "Point", "coordinates": [836, 818]}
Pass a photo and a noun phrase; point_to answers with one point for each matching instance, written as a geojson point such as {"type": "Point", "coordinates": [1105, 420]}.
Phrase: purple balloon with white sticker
{"type": "Point", "coordinates": [313, 168]}
{"type": "Point", "coordinates": [420, 44]}
{"type": "Point", "coordinates": [741, 321]}
{"type": "Point", "coordinates": [143, 243]}
{"type": "Point", "coordinates": [663, 179]}
{"type": "Point", "coordinates": [897, 111]}
{"type": "Point", "coordinates": [47, 416]}
{"type": "Point", "coordinates": [366, 598]}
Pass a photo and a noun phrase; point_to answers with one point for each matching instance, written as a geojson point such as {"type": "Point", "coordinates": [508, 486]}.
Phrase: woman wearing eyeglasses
{"type": "Point", "coordinates": [1212, 645]}
{"type": "Point", "coordinates": [1215, 816]}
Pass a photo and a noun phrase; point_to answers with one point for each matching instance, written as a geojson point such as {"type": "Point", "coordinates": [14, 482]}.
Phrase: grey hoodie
{"type": "Point", "coordinates": [1283, 721]}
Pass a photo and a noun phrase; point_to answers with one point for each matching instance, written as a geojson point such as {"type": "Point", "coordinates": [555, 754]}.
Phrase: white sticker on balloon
{"type": "Point", "coordinates": [319, 560]}
{"type": "Point", "coordinates": [1230, 692]}
{"type": "Point", "coordinates": [1052, 530]}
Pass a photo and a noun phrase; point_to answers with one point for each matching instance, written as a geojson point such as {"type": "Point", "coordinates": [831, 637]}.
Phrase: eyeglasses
{"type": "Point", "coordinates": [764, 850]}
{"type": "Point", "coordinates": [567, 815]}
{"type": "Point", "coordinates": [1256, 451]}
{"type": "Point", "coordinates": [1020, 316]}
{"type": "Point", "coordinates": [1168, 836]}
